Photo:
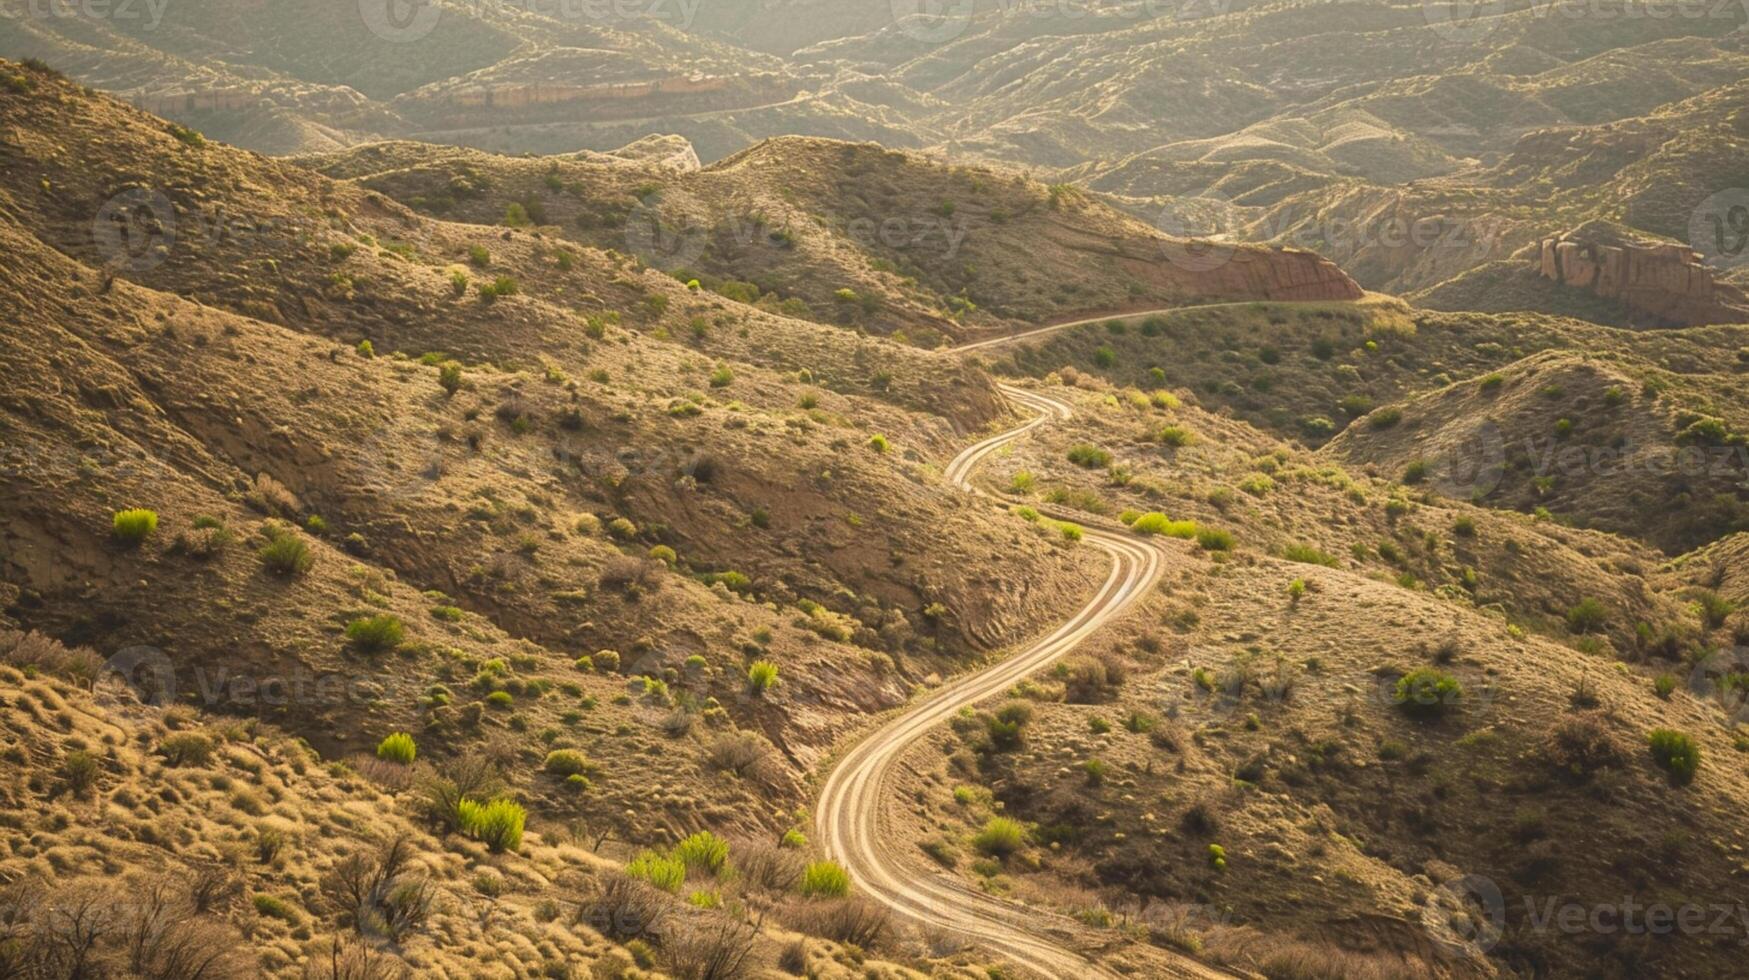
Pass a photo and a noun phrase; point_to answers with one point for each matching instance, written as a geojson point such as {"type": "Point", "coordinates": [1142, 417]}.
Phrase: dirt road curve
{"type": "Point", "coordinates": [1071, 324]}
{"type": "Point", "coordinates": [850, 817]}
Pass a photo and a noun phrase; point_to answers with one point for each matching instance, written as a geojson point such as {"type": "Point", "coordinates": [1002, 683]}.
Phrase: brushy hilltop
{"type": "Point", "coordinates": [852, 234]}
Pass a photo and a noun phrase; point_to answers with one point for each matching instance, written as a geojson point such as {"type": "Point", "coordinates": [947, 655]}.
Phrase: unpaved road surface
{"type": "Point", "coordinates": [850, 819]}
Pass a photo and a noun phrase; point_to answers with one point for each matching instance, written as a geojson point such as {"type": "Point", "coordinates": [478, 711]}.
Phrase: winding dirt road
{"type": "Point", "coordinates": [850, 820]}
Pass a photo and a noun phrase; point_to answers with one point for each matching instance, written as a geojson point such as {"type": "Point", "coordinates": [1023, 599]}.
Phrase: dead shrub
{"type": "Point", "coordinates": [1581, 744]}
{"type": "Point", "coordinates": [271, 497]}
{"type": "Point", "coordinates": [854, 920]}
{"type": "Point", "coordinates": [746, 754]}
{"type": "Point", "coordinates": [768, 867]}
{"type": "Point", "coordinates": [376, 894]}
{"type": "Point", "coordinates": [632, 576]}
{"type": "Point", "coordinates": [339, 959]}
{"type": "Point", "coordinates": [715, 949]}
{"type": "Point", "coordinates": [625, 908]}
{"type": "Point", "coordinates": [46, 655]}
{"type": "Point", "coordinates": [1093, 680]}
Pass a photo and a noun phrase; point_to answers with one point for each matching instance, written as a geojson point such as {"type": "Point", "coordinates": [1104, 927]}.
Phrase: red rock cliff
{"type": "Point", "coordinates": [1663, 282]}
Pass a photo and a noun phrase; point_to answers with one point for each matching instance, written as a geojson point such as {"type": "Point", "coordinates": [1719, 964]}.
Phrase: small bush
{"type": "Point", "coordinates": [566, 762]}
{"type": "Point", "coordinates": [374, 634]}
{"type": "Point", "coordinates": [1210, 539]}
{"type": "Point", "coordinates": [449, 377]}
{"type": "Point", "coordinates": [187, 748]}
{"type": "Point", "coordinates": [879, 443]}
{"type": "Point", "coordinates": [761, 676]}
{"type": "Point", "coordinates": [1175, 436]}
{"type": "Point", "coordinates": [825, 879]}
{"type": "Point", "coordinates": [1308, 555]}
{"type": "Point", "coordinates": [286, 554]}
{"type": "Point", "coordinates": [1088, 456]}
{"type": "Point", "coordinates": [1427, 692]}
{"type": "Point", "coordinates": [703, 852]}
{"type": "Point", "coordinates": [497, 824]}
{"type": "Point", "coordinates": [131, 527]}
{"type": "Point", "coordinates": [1156, 523]}
{"type": "Point", "coordinates": [1588, 616]}
{"type": "Point", "coordinates": [1000, 838]}
{"type": "Point", "coordinates": [398, 747]}
{"type": "Point", "coordinates": [80, 769]}
{"type": "Point", "coordinates": [661, 871]}
{"type": "Point", "coordinates": [1675, 752]}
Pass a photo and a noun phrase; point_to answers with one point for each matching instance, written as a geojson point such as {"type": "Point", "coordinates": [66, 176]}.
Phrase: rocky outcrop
{"type": "Point", "coordinates": [1293, 274]}
{"type": "Point", "coordinates": [1663, 283]}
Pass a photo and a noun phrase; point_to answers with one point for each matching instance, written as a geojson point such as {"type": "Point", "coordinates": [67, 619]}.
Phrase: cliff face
{"type": "Point", "coordinates": [1665, 283]}
{"type": "Point", "coordinates": [1240, 272]}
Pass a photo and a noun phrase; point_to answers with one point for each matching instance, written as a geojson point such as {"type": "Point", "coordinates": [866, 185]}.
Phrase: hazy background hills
{"type": "Point", "coordinates": [1330, 126]}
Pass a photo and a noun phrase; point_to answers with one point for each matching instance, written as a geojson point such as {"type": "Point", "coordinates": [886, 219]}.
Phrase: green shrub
{"type": "Point", "coordinates": [497, 288]}
{"type": "Point", "coordinates": [1713, 608]}
{"type": "Point", "coordinates": [1664, 685]}
{"type": "Point", "coordinates": [497, 824]}
{"type": "Point", "coordinates": [566, 762]}
{"type": "Point", "coordinates": [275, 908]}
{"type": "Point", "coordinates": [1217, 857]}
{"type": "Point", "coordinates": [374, 634]}
{"type": "Point", "coordinates": [80, 769]}
{"type": "Point", "coordinates": [1427, 692]}
{"type": "Point", "coordinates": [449, 377]}
{"type": "Point", "coordinates": [286, 554]}
{"type": "Point", "coordinates": [1088, 456]}
{"type": "Point", "coordinates": [1308, 555]}
{"type": "Point", "coordinates": [825, 879]}
{"type": "Point", "coordinates": [761, 676]}
{"type": "Point", "coordinates": [1105, 357]}
{"type": "Point", "coordinates": [703, 852]}
{"type": "Point", "coordinates": [1385, 418]}
{"type": "Point", "coordinates": [1000, 838]}
{"type": "Point", "coordinates": [666, 873]}
{"type": "Point", "coordinates": [879, 443]}
{"type": "Point", "coordinates": [1210, 539]}
{"type": "Point", "coordinates": [187, 748]}
{"type": "Point", "coordinates": [1588, 616]}
{"type": "Point", "coordinates": [1156, 523]}
{"type": "Point", "coordinates": [722, 376]}
{"type": "Point", "coordinates": [458, 282]}
{"type": "Point", "coordinates": [133, 526]}
{"type": "Point", "coordinates": [478, 255]}
{"type": "Point", "coordinates": [1176, 436]}
{"type": "Point", "coordinates": [1675, 752]}
{"type": "Point", "coordinates": [398, 747]}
